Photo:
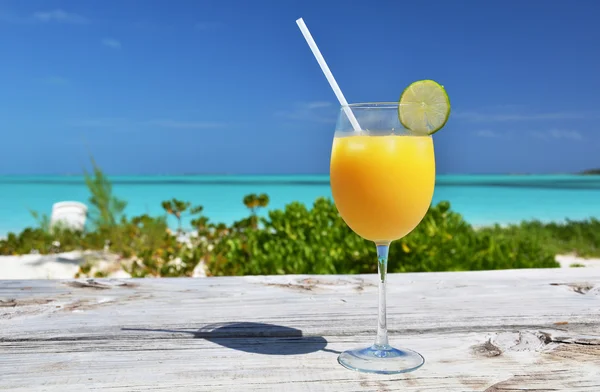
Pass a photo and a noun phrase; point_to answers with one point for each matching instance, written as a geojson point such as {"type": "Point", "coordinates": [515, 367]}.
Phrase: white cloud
{"type": "Point", "coordinates": [558, 134]}
{"type": "Point", "coordinates": [53, 16]}
{"type": "Point", "coordinates": [316, 111]}
{"type": "Point", "coordinates": [318, 104]}
{"type": "Point", "coordinates": [119, 123]}
{"type": "Point", "coordinates": [550, 134]}
{"type": "Point", "coordinates": [506, 106]}
{"type": "Point", "coordinates": [112, 43]}
{"type": "Point", "coordinates": [505, 117]}
{"type": "Point", "coordinates": [59, 16]}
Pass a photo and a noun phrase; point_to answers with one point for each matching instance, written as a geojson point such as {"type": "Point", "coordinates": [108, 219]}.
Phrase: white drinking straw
{"type": "Point", "coordinates": [328, 74]}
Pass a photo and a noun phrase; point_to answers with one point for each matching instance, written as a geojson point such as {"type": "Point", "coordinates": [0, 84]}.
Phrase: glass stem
{"type": "Point", "coordinates": [382, 260]}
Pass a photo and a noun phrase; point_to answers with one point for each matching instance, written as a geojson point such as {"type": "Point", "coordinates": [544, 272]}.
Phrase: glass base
{"type": "Point", "coordinates": [381, 360]}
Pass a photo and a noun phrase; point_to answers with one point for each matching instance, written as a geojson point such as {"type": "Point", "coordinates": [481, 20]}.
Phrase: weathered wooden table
{"type": "Point", "coordinates": [525, 330]}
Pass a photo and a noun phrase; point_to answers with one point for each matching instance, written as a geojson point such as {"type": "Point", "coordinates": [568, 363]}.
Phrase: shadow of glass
{"type": "Point", "coordinates": [257, 338]}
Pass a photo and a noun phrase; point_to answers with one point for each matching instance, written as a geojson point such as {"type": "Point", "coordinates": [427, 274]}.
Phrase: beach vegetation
{"type": "Point", "coordinates": [581, 238]}
{"type": "Point", "coordinates": [591, 171]}
{"type": "Point", "coordinates": [296, 239]}
{"type": "Point", "coordinates": [106, 209]}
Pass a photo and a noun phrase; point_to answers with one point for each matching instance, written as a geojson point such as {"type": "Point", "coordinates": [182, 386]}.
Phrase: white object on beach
{"type": "Point", "coordinates": [71, 214]}
{"type": "Point", "coordinates": [336, 89]}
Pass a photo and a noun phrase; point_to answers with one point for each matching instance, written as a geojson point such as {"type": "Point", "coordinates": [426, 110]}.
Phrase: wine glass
{"type": "Point", "coordinates": [382, 181]}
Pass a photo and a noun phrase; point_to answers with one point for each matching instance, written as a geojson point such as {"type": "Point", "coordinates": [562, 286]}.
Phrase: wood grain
{"type": "Point", "coordinates": [523, 330]}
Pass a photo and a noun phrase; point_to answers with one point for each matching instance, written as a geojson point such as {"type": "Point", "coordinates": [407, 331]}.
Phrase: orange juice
{"type": "Point", "coordinates": [382, 185]}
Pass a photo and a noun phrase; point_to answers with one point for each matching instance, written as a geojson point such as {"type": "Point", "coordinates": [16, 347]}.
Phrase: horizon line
{"type": "Point", "coordinates": [281, 174]}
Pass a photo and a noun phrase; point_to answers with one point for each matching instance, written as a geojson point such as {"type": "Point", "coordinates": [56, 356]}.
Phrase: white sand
{"type": "Point", "coordinates": [66, 265]}
{"type": "Point", "coordinates": [567, 260]}
{"type": "Point", "coordinates": [58, 266]}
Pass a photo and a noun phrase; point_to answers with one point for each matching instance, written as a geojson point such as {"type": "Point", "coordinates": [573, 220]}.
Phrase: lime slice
{"type": "Point", "coordinates": [424, 107]}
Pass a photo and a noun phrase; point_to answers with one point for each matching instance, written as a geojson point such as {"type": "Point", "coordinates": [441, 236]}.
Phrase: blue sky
{"type": "Point", "coordinates": [178, 87]}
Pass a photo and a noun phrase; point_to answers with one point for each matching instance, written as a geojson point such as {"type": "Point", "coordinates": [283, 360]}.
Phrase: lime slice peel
{"type": "Point", "coordinates": [424, 107]}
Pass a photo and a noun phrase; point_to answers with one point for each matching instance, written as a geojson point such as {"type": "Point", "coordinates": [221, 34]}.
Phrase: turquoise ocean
{"type": "Point", "coordinates": [481, 199]}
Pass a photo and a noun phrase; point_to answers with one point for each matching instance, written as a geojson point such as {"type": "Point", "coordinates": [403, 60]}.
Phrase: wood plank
{"type": "Point", "coordinates": [479, 331]}
{"type": "Point", "coordinates": [455, 362]}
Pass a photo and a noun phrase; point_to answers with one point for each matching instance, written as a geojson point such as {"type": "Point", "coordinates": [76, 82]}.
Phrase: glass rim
{"type": "Point", "coordinates": [373, 105]}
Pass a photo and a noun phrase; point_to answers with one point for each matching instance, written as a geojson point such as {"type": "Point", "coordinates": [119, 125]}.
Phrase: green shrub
{"type": "Point", "coordinates": [39, 240]}
{"type": "Point", "coordinates": [295, 240]}
{"type": "Point", "coordinates": [444, 241]}
{"type": "Point", "coordinates": [106, 209]}
{"type": "Point", "coordinates": [578, 237]}
{"type": "Point", "coordinates": [298, 240]}
{"type": "Point", "coordinates": [155, 251]}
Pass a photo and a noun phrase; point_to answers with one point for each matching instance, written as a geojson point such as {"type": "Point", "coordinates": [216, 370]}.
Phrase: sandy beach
{"type": "Point", "coordinates": [55, 266]}
{"type": "Point", "coordinates": [66, 265]}
{"type": "Point", "coordinates": [567, 261]}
